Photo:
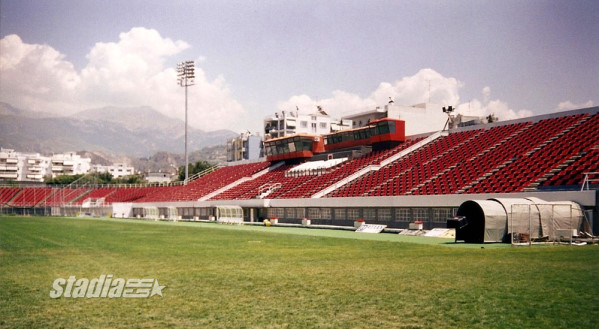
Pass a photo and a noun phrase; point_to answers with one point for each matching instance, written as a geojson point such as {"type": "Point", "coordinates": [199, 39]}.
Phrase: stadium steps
{"type": "Point", "coordinates": [64, 195]}
{"type": "Point", "coordinates": [566, 163]}
{"type": "Point", "coordinates": [200, 174]}
{"type": "Point", "coordinates": [82, 195]}
{"type": "Point", "coordinates": [553, 172]}
{"type": "Point", "coordinates": [268, 189]}
{"type": "Point", "coordinates": [31, 197]}
{"type": "Point", "coordinates": [562, 143]}
{"type": "Point", "coordinates": [455, 149]}
{"type": "Point", "coordinates": [555, 137]}
{"type": "Point", "coordinates": [10, 193]}
{"type": "Point", "coordinates": [464, 170]}
{"type": "Point", "coordinates": [528, 166]}
{"type": "Point", "coordinates": [485, 176]}
{"type": "Point", "coordinates": [574, 174]}
{"type": "Point", "coordinates": [441, 173]}
{"type": "Point", "coordinates": [500, 146]}
{"type": "Point", "coordinates": [367, 170]}
{"type": "Point", "coordinates": [251, 189]}
{"type": "Point", "coordinates": [46, 197]}
{"type": "Point", "coordinates": [307, 186]}
{"type": "Point", "coordinates": [410, 175]}
{"type": "Point", "coordinates": [502, 142]}
{"type": "Point", "coordinates": [96, 193]}
{"type": "Point", "coordinates": [241, 181]}
{"type": "Point", "coordinates": [16, 197]}
{"type": "Point", "coordinates": [481, 152]}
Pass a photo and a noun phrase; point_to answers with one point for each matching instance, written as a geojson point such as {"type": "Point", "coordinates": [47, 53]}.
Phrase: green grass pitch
{"type": "Point", "coordinates": [220, 276]}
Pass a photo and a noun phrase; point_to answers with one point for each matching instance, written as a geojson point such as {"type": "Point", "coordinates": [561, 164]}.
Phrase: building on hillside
{"type": "Point", "coordinates": [69, 163]}
{"type": "Point", "coordinates": [25, 167]}
{"type": "Point", "coordinates": [246, 146]}
{"type": "Point", "coordinates": [9, 169]}
{"type": "Point", "coordinates": [34, 167]}
{"type": "Point", "coordinates": [159, 177]}
{"type": "Point", "coordinates": [288, 123]}
{"type": "Point", "coordinates": [117, 170]}
{"type": "Point", "coordinates": [419, 118]}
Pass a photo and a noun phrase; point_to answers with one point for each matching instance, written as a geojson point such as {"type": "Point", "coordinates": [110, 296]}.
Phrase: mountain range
{"type": "Point", "coordinates": [134, 131]}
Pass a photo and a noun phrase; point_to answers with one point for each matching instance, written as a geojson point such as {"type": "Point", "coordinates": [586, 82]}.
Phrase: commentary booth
{"type": "Point", "coordinates": [516, 220]}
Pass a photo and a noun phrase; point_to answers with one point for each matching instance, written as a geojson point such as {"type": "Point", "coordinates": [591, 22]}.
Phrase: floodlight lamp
{"type": "Point", "coordinates": [448, 109]}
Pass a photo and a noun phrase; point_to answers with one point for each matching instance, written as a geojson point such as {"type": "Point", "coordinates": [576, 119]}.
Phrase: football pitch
{"type": "Point", "coordinates": [223, 276]}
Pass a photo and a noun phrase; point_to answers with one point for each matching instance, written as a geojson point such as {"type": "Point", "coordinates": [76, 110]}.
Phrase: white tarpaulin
{"type": "Point", "coordinates": [487, 221]}
{"type": "Point", "coordinates": [491, 220]}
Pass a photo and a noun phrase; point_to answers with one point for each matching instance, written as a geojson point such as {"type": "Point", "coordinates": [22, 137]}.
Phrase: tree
{"type": "Point", "coordinates": [62, 179]}
{"type": "Point", "coordinates": [492, 118]}
{"type": "Point", "coordinates": [133, 179]}
{"type": "Point", "coordinates": [93, 178]}
{"type": "Point", "coordinates": [194, 169]}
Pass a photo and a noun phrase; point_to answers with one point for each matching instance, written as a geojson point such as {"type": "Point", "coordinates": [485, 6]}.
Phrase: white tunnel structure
{"type": "Point", "coordinates": [494, 220]}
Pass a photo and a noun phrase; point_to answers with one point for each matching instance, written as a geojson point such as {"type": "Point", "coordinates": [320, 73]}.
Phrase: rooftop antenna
{"type": "Point", "coordinates": [429, 91]}
{"type": "Point", "coordinates": [320, 110]}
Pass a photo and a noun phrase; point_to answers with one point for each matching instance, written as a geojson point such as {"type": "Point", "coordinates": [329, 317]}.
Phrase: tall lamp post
{"type": "Point", "coordinates": [185, 77]}
{"type": "Point", "coordinates": [448, 110]}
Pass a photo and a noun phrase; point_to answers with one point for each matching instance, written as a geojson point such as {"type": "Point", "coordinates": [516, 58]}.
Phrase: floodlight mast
{"type": "Point", "coordinates": [185, 78]}
{"type": "Point", "coordinates": [448, 110]}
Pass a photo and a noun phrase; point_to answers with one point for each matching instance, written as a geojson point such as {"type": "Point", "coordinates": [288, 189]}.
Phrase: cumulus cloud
{"type": "Point", "coordinates": [119, 72]}
{"type": "Point", "coordinates": [486, 107]}
{"type": "Point", "coordinates": [486, 93]}
{"type": "Point", "coordinates": [35, 76]}
{"type": "Point", "coordinates": [126, 73]}
{"type": "Point", "coordinates": [425, 85]}
{"type": "Point", "coordinates": [568, 105]}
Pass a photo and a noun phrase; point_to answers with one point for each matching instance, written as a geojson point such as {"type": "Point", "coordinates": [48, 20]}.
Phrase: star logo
{"type": "Point", "coordinates": [157, 289]}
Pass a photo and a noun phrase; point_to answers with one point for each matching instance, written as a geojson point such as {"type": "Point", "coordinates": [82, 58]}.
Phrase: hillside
{"type": "Point", "coordinates": [136, 132]}
{"type": "Point", "coordinates": [160, 161]}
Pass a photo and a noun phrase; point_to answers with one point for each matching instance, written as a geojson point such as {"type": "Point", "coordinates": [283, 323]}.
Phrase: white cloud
{"type": "Point", "coordinates": [34, 76]}
{"type": "Point", "coordinates": [498, 108]}
{"type": "Point", "coordinates": [486, 93]}
{"type": "Point", "coordinates": [567, 105]}
{"type": "Point", "coordinates": [419, 88]}
{"type": "Point", "coordinates": [425, 85]}
{"type": "Point", "coordinates": [127, 73]}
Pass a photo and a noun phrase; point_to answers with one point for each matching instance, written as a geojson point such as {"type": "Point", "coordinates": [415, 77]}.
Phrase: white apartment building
{"type": "Point", "coordinates": [419, 118]}
{"type": "Point", "coordinates": [246, 146]}
{"type": "Point", "coordinates": [159, 177]}
{"type": "Point", "coordinates": [70, 163]}
{"type": "Point", "coordinates": [28, 167]}
{"type": "Point", "coordinates": [288, 123]}
{"type": "Point", "coordinates": [33, 167]}
{"type": "Point", "coordinates": [9, 164]}
{"type": "Point", "coordinates": [117, 170]}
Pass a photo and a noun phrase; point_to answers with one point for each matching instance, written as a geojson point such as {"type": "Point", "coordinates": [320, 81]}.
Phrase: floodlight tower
{"type": "Point", "coordinates": [185, 78]}
{"type": "Point", "coordinates": [448, 110]}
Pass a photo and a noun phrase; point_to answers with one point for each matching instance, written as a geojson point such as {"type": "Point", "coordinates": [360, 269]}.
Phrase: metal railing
{"type": "Point", "coordinates": [588, 180]}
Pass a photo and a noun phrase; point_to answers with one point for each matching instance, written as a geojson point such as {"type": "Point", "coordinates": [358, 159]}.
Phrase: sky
{"type": "Point", "coordinates": [253, 58]}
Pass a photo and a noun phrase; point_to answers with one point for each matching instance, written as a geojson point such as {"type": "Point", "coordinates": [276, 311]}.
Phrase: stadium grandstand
{"type": "Point", "coordinates": [374, 173]}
